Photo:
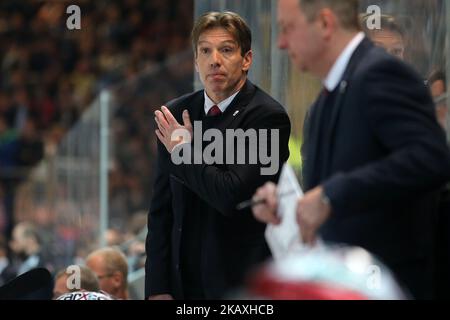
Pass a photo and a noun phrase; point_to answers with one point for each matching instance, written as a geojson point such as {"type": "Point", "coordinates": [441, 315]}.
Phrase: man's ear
{"type": "Point", "coordinates": [196, 64]}
{"type": "Point", "coordinates": [327, 22]}
{"type": "Point", "coordinates": [117, 278]}
{"type": "Point", "coordinates": [248, 59]}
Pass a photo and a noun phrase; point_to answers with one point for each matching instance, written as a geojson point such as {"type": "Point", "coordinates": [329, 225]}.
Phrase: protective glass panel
{"type": "Point", "coordinates": [417, 32]}
{"type": "Point", "coordinates": [63, 195]}
{"type": "Point", "coordinates": [425, 45]}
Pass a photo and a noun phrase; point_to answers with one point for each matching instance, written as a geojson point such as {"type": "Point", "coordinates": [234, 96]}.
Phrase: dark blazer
{"type": "Point", "coordinates": [384, 160]}
{"type": "Point", "coordinates": [233, 241]}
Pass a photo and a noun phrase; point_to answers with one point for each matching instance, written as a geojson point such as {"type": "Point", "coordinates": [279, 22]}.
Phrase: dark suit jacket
{"type": "Point", "coordinates": [234, 241]}
{"type": "Point", "coordinates": [385, 159]}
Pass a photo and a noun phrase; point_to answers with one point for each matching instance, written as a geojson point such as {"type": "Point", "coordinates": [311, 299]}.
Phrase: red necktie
{"type": "Point", "coordinates": [214, 111]}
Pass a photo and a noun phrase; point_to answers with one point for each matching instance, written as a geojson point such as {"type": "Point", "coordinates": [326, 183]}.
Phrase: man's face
{"type": "Point", "coordinates": [392, 42]}
{"type": "Point", "coordinates": [219, 62]}
{"type": "Point", "coordinates": [60, 287]}
{"type": "Point", "coordinates": [437, 90]}
{"type": "Point", "coordinates": [107, 281]}
{"type": "Point", "coordinates": [299, 37]}
{"type": "Point", "coordinates": [18, 241]}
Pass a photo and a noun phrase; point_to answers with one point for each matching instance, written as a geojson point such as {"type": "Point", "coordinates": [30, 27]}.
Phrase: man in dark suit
{"type": "Point", "coordinates": [198, 245]}
{"type": "Point", "coordinates": [374, 154]}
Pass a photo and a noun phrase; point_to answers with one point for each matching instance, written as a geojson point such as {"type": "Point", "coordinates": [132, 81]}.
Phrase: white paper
{"type": "Point", "coordinates": [285, 238]}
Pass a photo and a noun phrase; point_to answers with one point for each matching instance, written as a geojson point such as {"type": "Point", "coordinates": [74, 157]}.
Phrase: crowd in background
{"type": "Point", "coordinates": [50, 75]}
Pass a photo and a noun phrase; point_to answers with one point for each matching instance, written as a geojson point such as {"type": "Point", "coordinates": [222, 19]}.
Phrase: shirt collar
{"type": "Point", "coordinates": [337, 71]}
{"type": "Point", "coordinates": [223, 105]}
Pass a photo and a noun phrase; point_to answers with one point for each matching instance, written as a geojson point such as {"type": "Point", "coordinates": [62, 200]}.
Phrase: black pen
{"type": "Point", "coordinates": [250, 203]}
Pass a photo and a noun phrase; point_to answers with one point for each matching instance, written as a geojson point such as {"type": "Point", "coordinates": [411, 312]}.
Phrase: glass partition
{"type": "Point", "coordinates": [63, 193]}
{"type": "Point", "coordinates": [424, 26]}
{"type": "Point", "coordinates": [421, 26]}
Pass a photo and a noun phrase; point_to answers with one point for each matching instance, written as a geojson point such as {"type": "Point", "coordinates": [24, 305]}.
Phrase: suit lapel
{"type": "Point", "coordinates": [196, 107]}
{"type": "Point", "coordinates": [357, 56]}
{"type": "Point", "coordinates": [237, 106]}
{"type": "Point", "coordinates": [312, 141]}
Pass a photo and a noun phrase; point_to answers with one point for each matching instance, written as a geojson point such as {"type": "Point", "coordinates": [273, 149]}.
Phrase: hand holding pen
{"type": "Point", "coordinates": [257, 201]}
{"type": "Point", "coordinates": [264, 203]}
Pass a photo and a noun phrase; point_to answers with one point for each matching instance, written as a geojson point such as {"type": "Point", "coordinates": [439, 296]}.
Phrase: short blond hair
{"type": "Point", "coordinates": [88, 281]}
{"type": "Point", "coordinates": [113, 259]}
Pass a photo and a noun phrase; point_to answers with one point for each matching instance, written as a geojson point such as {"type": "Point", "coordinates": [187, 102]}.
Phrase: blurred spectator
{"type": "Point", "coordinates": [8, 146]}
{"type": "Point", "coordinates": [88, 282]}
{"type": "Point", "coordinates": [136, 255]}
{"type": "Point", "coordinates": [30, 148]}
{"type": "Point", "coordinates": [389, 36]}
{"type": "Point", "coordinates": [21, 108]}
{"type": "Point", "coordinates": [438, 86]}
{"type": "Point", "coordinates": [110, 266]}
{"type": "Point", "coordinates": [4, 261]}
{"type": "Point", "coordinates": [26, 248]}
{"type": "Point", "coordinates": [51, 75]}
{"type": "Point", "coordinates": [4, 219]}
{"type": "Point", "coordinates": [134, 246]}
{"type": "Point", "coordinates": [113, 237]}
{"type": "Point", "coordinates": [19, 151]}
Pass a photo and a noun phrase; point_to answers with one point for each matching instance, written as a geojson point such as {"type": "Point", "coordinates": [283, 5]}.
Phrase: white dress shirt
{"type": "Point", "coordinates": [223, 105]}
{"type": "Point", "coordinates": [337, 71]}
